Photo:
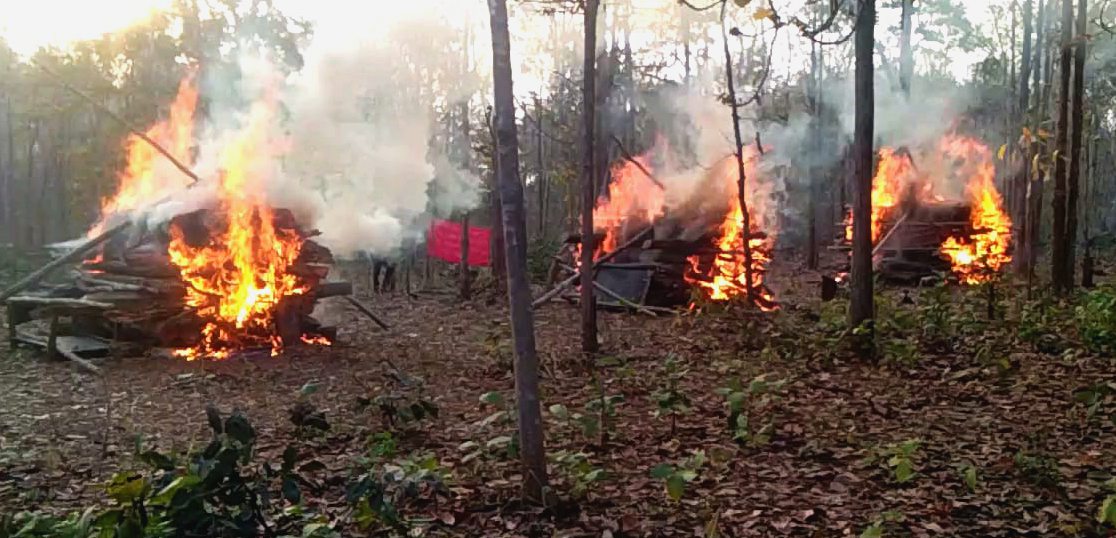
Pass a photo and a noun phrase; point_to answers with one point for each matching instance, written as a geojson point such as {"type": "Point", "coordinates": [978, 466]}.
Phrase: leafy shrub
{"type": "Point", "coordinates": [1096, 320]}
{"type": "Point", "coordinates": [378, 493]}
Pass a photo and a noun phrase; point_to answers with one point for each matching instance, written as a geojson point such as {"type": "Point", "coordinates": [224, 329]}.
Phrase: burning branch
{"type": "Point", "coordinates": [131, 128]}
{"type": "Point", "coordinates": [628, 157]}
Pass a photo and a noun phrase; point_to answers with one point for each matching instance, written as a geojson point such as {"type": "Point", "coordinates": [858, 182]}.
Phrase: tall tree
{"type": "Point", "coordinates": [1062, 149]}
{"type": "Point", "coordinates": [862, 302]}
{"type": "Point", "coordinates": [1074, 179]}
{"type": "Point", "coordinates": [1038, 176]}
{"type": "Point", "coordinates": [815, 145]}
{"type": "Point", "coordinates": [738, 153]}
{"type": "Point", "coordinates": [906, 55]}
{"type": "Point", "coordinates": [465, 147]}
{"type": "Point", "coordinates": [532, 453]}
{"type": "Point", "coordinates": [589, 343]}
{"type": "Point", "coordinates": [1018, 208]}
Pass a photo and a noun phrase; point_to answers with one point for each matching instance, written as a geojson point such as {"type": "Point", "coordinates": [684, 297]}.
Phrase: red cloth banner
{"type": "Point", "coordinates": [444, 242]}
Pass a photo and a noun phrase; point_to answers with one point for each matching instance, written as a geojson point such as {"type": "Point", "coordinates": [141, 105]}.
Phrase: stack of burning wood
{"type": "Point", "coordinates": [131, 290]}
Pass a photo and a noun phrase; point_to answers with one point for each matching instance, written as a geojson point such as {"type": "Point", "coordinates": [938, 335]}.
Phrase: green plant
{"type": "Point", "coordinates": [378, 493]}
{"type": "Point", "coordinates": [1038, 469]}
{"type": "Point", "coordinates": [588, 423]}
{"type": "Point", "coordinates": [876, 529]}
{"type": "Point", "coordinates": [1106, 515]}
{"type": "Point", "coordinates": [382, 446]}
{"type": "Point", "coordinates": [968, 474]}
{"type": "Point", "coordinates": [405, 405]}
{"type": "Point", "coordinates": [217, 492]}
{"type": "Point", "coordinates": [580, 472]}
{"type": "Point", "coordinates": [505, 443]}
{"type": "Point", "coordinates": [1096, 320]}
{"type": "Point", "coordinates": [901, 460]}
{"type": "Point", "coordinates": [670, 398]}
{"type": "Point", "coordinates": [676, 477]}
{"type": "Point", "coordinates": [751, 419]}
{"type": "Point", "coordinates": [1094, 398]}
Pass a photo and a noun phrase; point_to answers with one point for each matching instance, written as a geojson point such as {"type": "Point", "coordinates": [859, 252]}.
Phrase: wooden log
{"type": "Point", "coordinates": [62, 302]}
{"type": "Point", "coordinates": [74, 255]}
{"type": "Point", "coordinates": [333, 289]}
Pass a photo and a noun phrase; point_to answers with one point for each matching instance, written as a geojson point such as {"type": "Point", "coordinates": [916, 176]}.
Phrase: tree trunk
{"type": "Point", "coordinates": [1074, 179]}
{"type": "Point", "coordinates": [541, 185]}
{"type": "Point", "coordinates": [464, 145]}
{"type": "Point", "coordinates": [1062, 149]}
{"type": "Point", "coordinates": [813, 171]}
{"type": "Point", "coordinates": [496, 238]}
{"type": "Point", "coordinates": [906, 55]}
{"type": "Point", "coordinates": [861, 307]}
{"type": "Point", "coordinates": [1018, 208]}
{"type": "Point", "coordinates": [1035, 193]}
{"type": "Point", "coordinates": [7, 161]}
{"type": "Point", "coordinates": [738, 151]}
{"type": "Point", "coordinates": [532, 453]}
{"type": "Point", "coordinates": [589, 343]}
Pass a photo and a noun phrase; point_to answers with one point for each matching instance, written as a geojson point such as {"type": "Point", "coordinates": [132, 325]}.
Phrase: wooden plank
{"type": "Point", "coordinates": [74, 255]}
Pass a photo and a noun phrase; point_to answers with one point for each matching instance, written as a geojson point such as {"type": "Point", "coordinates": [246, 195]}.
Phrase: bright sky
{"type": "Point", "coordinates": [30, 24]}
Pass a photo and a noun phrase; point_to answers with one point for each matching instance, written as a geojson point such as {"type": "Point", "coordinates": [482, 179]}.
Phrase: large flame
{"type": "Point", "coordinates": [726, 276]}
{"type": "Point", "coordinates": [237, 280]}
{"type": "Point", "coordinates": [977, 258]}
{"type": "Point", "coordinates": [636, 201]}
{"type": "Point", "coordinates": [633, 201]}
{"type": "Point", "coordinates": [148, 175]}
{"type": "Point", "coordinates": [894, 171]}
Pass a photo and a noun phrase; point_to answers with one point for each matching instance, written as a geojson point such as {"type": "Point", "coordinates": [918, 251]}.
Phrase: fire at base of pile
{"type": "Point", "coordinates": [692, 249]}
{"type": "Point", "coordinates": [189, 288]}
{"type": "Point", "coordinates": [920, 229]}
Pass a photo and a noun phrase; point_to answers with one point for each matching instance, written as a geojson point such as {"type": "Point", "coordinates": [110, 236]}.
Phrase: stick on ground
{"type": "Point", "coordinates": [366, 311]}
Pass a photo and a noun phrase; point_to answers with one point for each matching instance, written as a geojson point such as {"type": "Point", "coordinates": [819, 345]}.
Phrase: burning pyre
{"type": "Point", "coordinates": [975, 254]}
{"type": "Point", "coordinates": [240, 261]}
{"type": "Point", "coordinates": [707, 223]}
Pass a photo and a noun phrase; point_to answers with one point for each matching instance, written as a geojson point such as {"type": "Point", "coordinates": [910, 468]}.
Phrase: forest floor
{"type": "Point", "coordinates": [974, 433]}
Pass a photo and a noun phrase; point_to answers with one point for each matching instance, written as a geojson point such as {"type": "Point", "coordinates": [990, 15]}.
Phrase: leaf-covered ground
{"type": "Point", "coordinates": [984, 437]}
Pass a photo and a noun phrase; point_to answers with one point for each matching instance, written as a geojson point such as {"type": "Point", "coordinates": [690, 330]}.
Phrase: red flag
{"type": "Point", "coordinates": [444, 242]}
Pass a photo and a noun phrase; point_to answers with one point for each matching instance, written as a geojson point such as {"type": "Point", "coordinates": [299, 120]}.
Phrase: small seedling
{"type": "Point", "coordinates": [676, 477]}
{"type": "Point", "coordinates": [580, 472]}
{"type": "Point", "coordinates": [749, 407]}
{"type": "Point", "coordinates": [671, 400]}
{"type": "Point", "coordinates": [901, 461]}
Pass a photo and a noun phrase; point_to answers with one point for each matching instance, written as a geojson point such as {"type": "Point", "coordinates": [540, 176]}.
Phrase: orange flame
{"type": "Point", "coordinates": [237, 280]}
{"type": "Point", "coordinates": [726, 277]}
{"type": "Point", "coordinates": [894, 171]}
{"type": "Point", "coordinates": [976, 258]}
{"type": "Point", "coordinates": [634, 201]}
{"type": "Point", "coordinates": [148, 173]}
